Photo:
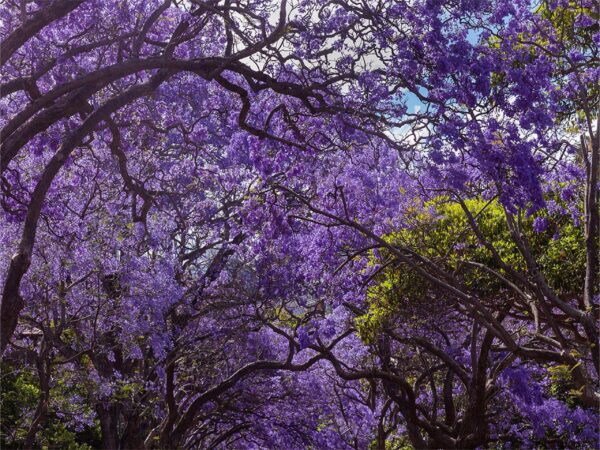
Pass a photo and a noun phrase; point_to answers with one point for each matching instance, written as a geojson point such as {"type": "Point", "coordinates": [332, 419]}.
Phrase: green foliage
{"type": "Point", "coordinates": [563, 260]}
{"type": "Point", "coordinates": [444, 236]}
{"type": "Point", "coordinates": [563, 18]}
{"type": "Point", "coordinates": [394, 443]}
{"type": "Point", "coordinates": [18, 400]}
{"type": "Point", "coordinates": [573, 37]}
{"type": "Point", "coordinates": [56, 436]}
{"type": "Point", "coordinates": [562, 385]}
{"type": "Point", "coordinates": [19, 394]}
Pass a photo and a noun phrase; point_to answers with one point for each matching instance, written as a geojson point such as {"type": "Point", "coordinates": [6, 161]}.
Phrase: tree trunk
{"type": "Point", "coordinates": [109, 425]}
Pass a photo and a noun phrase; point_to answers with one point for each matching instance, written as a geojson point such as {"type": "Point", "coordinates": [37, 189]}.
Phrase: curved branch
{"type": "Point", "coordinates": [43, 17]}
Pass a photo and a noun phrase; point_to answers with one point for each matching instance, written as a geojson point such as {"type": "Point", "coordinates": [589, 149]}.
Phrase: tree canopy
{"type": "Point", "coordinates": [302, 224]}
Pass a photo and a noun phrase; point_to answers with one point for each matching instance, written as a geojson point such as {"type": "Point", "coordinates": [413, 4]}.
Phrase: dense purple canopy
{"type": "Point", "coordinates": [305, 224]}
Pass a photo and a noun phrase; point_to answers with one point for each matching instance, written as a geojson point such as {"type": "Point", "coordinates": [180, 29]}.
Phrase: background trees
{"type": "Point", "coordinates": [315, 224]}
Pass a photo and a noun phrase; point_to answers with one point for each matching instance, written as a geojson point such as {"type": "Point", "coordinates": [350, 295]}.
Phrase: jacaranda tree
{"type": "Point", "coordinates": [299, 224]}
